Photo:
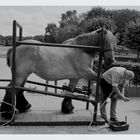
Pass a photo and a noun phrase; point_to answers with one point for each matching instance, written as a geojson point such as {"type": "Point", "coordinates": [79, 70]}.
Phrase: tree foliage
{"type": "Point", "coordinates": [98, 22]}
{"type": "Point", "coordinates": [67, 32]}
{"type": "Point", "coordinates": [39, 38]}
{"type": "Point", "coordinates": [50, 33]}
{"type": "Point", "coordinates": [69, 18]}
{"type": "Point", "coordinates": [8, 40]}
{"type": "Point", "coordinates": [71, 24]}
{"type": "Point", "coordinates": [2, 41]}
{"type": "Point", "coordinates": [122, 18]}
{"type": "Point", "coordinates": [132, 35]}
{"type": "Point", "coordinates": [97, 12]}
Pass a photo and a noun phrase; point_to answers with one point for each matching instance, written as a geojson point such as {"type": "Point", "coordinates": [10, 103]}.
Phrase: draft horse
{"type": "Point", "coordinates": [53, 63]}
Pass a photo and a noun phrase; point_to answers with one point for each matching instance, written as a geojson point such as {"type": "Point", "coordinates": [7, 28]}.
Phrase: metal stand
{"type": "Point", "coordinates": [81, 98]}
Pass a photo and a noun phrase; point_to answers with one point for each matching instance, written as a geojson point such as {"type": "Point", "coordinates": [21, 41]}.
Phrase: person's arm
{"type": "Point", "coordinates": [117, 91]}
{"type": "Point", "coordinates": [123, 90]}
{"type": "Point", "coordinates": [123, 86]}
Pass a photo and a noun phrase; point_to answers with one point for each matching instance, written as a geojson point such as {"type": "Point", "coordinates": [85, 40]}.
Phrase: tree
{"type": "Point", "coordinates": [132, 36]}
{"type": "Point", "coordinates": [69, 18]}
{"type": "Point", "coordinates": [97, 12]}
{"type": "Point", "coordinates": [98, 22]}
{"type": "Point", "coordinates": [69, 26]}
{"type": "Point", "coordinates": [122, 18]}
{"type": "Point", "coordinates": [97, 18]}
{"type": "Point", "coordinates": [39, 38]}
{"type": "Point", "coordinates": [2, 41]}
{"type": "Point", "coordinates": [8, 40]}
{"type": "Point", "coordinates": [67, 32]}
{"type": "Point", "coordinates": [50, 33]}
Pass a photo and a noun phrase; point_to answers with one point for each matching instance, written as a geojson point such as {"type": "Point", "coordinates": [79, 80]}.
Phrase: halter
{"type": "Point", "coordinates": [103, 37]}
{"type": "Point", "coordinates": [106, 50]}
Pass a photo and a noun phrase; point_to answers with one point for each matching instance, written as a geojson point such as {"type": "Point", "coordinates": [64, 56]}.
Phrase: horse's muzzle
{"type": "Point", "coordinates": [109, 61]}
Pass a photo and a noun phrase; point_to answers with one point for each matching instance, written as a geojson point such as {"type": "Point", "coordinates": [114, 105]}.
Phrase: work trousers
{"type": "Point", "coordinates": [106, 90]}
{"type": "Point", "coordinates": [113, 106]}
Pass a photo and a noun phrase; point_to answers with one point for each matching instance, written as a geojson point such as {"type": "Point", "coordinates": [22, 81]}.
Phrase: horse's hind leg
{"type": "Point", "coordinates": [5, 108]}
{"type": "Point", "coordinates": [67, 106]}
{"type": "Point", "coordinates": [21, 103]}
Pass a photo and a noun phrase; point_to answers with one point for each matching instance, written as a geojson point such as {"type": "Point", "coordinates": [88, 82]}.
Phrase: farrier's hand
{"type": "Point", "coordinates": [125, 99]}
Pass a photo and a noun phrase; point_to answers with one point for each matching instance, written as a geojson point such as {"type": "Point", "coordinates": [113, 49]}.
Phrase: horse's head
{"type": "Point", "coordinates": [100, 37]}
{"type": "Point", "coordinates": [107, 41]}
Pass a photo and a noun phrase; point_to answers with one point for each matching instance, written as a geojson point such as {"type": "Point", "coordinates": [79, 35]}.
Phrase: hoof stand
{"type": "Point", "coordinates": [119, 126]}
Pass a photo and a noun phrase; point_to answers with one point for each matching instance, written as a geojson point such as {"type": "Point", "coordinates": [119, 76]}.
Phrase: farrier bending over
{"type": "Point", "coordinates": [113, 83]}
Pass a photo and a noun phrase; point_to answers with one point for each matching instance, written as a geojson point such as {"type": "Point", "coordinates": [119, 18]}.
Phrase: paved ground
{"type": "Point", "coordinates": [131, 110]}
{"type": "Point", "coordinates": [41, 103]}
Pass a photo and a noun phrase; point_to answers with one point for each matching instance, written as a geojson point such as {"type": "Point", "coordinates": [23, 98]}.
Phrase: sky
{"type": "Point", "coordinates": [34, 18]}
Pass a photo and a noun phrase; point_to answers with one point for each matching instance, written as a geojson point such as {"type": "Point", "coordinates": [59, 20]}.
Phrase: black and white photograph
{"type": "Point", "coordinates": [70, 69]}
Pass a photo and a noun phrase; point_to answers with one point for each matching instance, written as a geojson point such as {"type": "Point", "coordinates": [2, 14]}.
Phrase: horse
{"type": "Point", "coordinates": [57, 63]}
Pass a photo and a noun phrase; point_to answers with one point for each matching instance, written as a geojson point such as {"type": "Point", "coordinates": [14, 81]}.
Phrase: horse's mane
{"type": "Point", "coordinates": [94, 39]}
{"type": "Point", "coordinates": [87, 39]}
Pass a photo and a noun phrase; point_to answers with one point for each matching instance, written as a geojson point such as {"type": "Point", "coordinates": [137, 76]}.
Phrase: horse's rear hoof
{"type": "Point", "coordinates": [7, 115]}
{"type": "Point", "coordinates": [25, 109]}
{"type": "Point", "coordinates": [67, 109]}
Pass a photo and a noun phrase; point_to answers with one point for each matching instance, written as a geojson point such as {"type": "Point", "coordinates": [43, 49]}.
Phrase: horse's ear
{"type": "Point", "coordinates": [99, 30]}
{"type": "Point", "coordinates": [103, 30]}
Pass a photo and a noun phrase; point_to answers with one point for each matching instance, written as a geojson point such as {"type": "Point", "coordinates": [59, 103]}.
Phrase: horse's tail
{"type": "Point", "coordinates": [8, 56]}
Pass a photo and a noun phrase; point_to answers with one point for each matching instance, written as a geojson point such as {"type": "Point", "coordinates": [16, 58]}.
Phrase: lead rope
{"type": "Point", "coordinates": [6, 123]}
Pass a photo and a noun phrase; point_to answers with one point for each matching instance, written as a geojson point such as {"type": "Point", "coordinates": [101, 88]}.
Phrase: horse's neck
{"type": "Point", "coordinates": [85, 39]}
{"type": "Point", "coordinates": [89, 59]}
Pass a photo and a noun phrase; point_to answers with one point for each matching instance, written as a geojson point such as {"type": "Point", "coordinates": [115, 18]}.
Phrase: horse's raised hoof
{"type": "Point", "coordinates": [24, 109]}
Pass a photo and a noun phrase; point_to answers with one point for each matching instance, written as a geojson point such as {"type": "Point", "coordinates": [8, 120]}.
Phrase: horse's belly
{"type": "Point", "coordinates": [58, 63]}
{"type": "Point", "coordinates": [56, 70]}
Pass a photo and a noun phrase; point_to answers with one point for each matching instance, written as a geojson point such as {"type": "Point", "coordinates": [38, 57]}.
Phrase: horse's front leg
{"type": "Point", "coordinates": [90, 74]}
{"type": "Point", "coordinates": [67, 106]}
{"type": "Point", "coordinates": [21, 103]}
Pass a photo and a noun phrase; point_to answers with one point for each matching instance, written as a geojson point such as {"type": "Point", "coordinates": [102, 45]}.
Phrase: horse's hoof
{"type": "Point", "coordinates": [27, 107]}
{"type": "Point", "coordinates": [67, 109]}
{"type": "Point", "coordinates": [7, 115]}
{"type": "Point", "coordinates": [69, 112]}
